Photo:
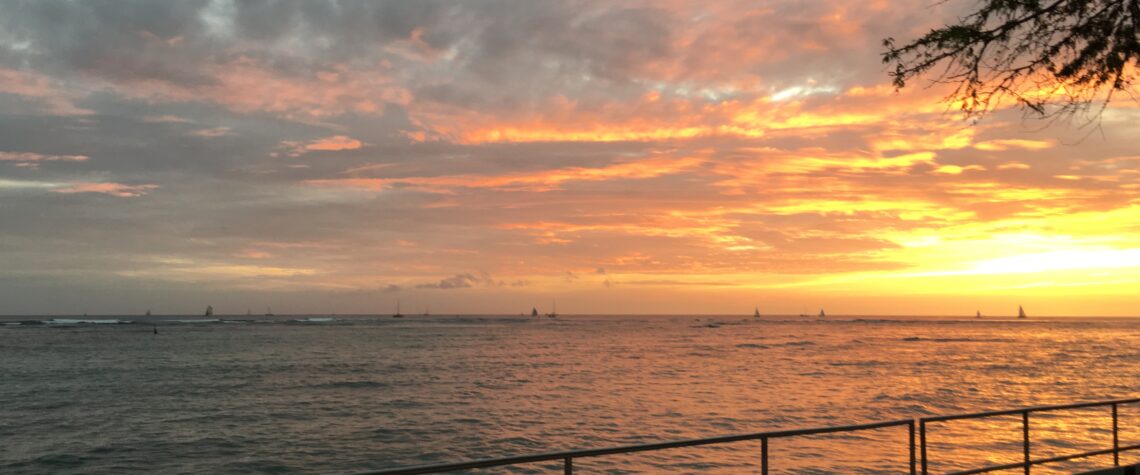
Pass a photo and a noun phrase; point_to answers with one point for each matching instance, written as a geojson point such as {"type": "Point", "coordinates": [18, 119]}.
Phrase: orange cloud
{"type": "Point", "coordinates": [166, 119]}
{"type": "Point", "coordinates": [333, 143]}
{"type": "Point", "coordinates": [31, 158]}
{"type": "Point", "coordinates": [107, 188]}
{"type": "Point", "coordinates": [254, 254]}
{"type": "Point", "coordinates": [660, 114]}
{"type": "Point", "coordinates": [56, 98]}
{"type": "Point", "coordinates": [1014, 144]}
{"type": "Point", "coordinates": [212, 132]}
{"type": "Point", "coordinates": [1014, 166]}
{"type": "Point", "coordinates": [336, 142]}
{"type": "Point", "coordinates": [537, 181]}
{"type": "Point", "coordinates": [957, 170]}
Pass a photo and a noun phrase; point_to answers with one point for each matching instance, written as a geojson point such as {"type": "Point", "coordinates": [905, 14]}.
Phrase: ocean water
{"type": "Point", "coordinates": [357, 393]}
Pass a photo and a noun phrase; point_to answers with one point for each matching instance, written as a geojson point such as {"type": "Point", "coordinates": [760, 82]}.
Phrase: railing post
{"type": "Point", "coordinates": [568, 466]}
{"type": "Point", "coordinates": [1115, 439]}
{"type": "Point", "coordinates": [922, 442]}
{"type": "Point", "coordinates": [1025, 438]}
{"type": "Point", "coordinates": [763, 456]}
{"type": "Point", "coordinates": [910, 431]}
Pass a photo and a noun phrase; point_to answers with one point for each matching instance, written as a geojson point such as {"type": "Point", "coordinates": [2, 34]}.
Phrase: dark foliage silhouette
{"type": "Point", "coordinates": [1053, 58]}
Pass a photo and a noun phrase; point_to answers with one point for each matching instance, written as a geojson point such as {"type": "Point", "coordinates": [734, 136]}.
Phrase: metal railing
{"type": "Point", "coordinates": [567, 457]}
{"type": "Point", "coordinates": [1027, 461]}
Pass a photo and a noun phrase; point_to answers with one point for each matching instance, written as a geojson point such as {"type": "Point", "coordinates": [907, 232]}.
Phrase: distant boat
{"type": "Point", "coordinates": [553, 310]}
{"type": "Point", "coordinates": [209, 310]}
{"type": "Point", "coordinates": [821, 314]}
{"type": "Point", "coordinates": [534, 311]}
{"type": "Point", "coordinates": [979, 314]}
{"type": "Point", "coordinates": [148, 312]}
{"type": "Point", "coordinates": [248, 312]}
{"type": "Point", "coordinates": [427, 311]}
{"type": "Point", "coordinates": [268, 312]}
{"type": "Point", "coordinates": [1021, 312]}
{"type": "Point", "coordinates": [397, 314]}
{"type": "Point", "coordinates": [756, 313]}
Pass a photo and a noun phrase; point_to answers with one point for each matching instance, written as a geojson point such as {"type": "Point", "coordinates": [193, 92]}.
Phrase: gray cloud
{"type": "Point", "coordinates": [460, 281]}
{"type": "Point", "coordinates": [191, 100]}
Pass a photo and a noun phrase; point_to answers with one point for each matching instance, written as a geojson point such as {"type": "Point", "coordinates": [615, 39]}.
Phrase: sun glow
{"type": "Point", "coordinates": [673, 157]}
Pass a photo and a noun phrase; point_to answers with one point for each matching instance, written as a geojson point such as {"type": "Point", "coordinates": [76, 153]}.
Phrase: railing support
{"type": "Point", "coordinates": [912, 424]}
{"type": "Point", "coordinates": [1025, 438]}
{"type": "Point", "coordinates": [922, 442]}
{"type": "Point", "coordinates": [1115, 439]}
{"type": "Point", "coordinates": [764, 456]}
{"type": "Point", "coordinates": [910, 432]}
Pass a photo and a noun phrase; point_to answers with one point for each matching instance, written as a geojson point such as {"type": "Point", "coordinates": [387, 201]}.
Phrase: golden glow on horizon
{"type": "Point", "coordinates": [638, 161]}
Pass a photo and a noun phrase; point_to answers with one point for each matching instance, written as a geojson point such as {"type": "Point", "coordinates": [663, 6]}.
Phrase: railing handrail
{"type": "Point", "coordinates": [1010, 412]}
{"type": "Point", "coordinates": [567, 456]}
{"type": "Point", "coordinates": [626, 449]}
{"type": "Point", "coordinates": [1027, 461]}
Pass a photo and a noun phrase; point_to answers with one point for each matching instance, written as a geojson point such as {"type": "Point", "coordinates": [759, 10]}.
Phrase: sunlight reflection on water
{"type": "Point", "coordinates": [368, 393]}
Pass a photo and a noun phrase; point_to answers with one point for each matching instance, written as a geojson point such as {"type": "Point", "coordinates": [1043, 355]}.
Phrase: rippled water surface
{"type": "Point", "coordinates": [363, 393]}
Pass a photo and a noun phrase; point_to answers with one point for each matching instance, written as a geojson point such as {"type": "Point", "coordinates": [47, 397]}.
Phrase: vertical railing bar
{"type": "Point", "coordinates": [922, 442]}
{"type": "Point", "coordinates": [763, 456]}
{"type": "Point", "coordinates": [1025, 438]}
{"type": "Point", "coordinates": [1115, 439]}
{"type": "Point", "coordinates": [1027, 463]}
{"type": "Point", "coordinates": [910, 431]}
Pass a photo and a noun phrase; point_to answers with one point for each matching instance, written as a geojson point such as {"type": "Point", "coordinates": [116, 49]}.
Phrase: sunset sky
{"type": "Point", "coordinates": [487, 156]}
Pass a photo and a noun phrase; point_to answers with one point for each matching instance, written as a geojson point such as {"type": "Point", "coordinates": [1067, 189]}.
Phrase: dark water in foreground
{"type": "Point", "coordinates": [362, 393]}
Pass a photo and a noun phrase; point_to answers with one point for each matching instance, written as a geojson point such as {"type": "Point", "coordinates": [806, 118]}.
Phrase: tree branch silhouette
{"type": "Point", "coordinates": [1053, 58]}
